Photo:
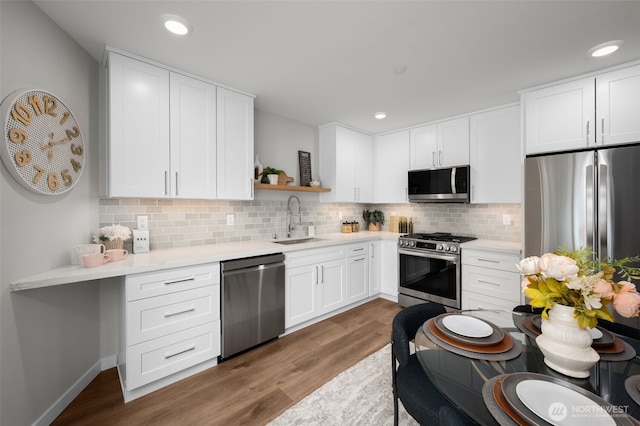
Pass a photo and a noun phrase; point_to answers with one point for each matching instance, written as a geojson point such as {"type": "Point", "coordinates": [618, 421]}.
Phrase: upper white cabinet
{"type": "Point", "coordinates": [443, 144]}
{"type": "Point", "coordinates": [494, 156]}
{"type": "Point", "coordinates": [584, 113]}
{"type": "Point", "coordinates": [391, 154]}
{"type": "Point", "coordinates": [346, 164]}
{"type": "Point", "coordinates": [235, 145]}
{"type": "Point", "coordinates": [173, 135]}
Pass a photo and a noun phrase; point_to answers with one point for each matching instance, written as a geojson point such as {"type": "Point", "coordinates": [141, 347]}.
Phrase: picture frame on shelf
{"type": "Point", "coordinates": [304, 163]}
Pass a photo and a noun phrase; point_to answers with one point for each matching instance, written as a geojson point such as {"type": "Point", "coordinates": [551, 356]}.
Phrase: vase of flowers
{"type": "Point", "coordinates": [575, 290]}
{"type": "Point", "coordinates": [113, 236]}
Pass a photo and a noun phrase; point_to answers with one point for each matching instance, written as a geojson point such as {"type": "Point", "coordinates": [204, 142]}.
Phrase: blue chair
{"type": "Point", "coordinates": [419, 396]}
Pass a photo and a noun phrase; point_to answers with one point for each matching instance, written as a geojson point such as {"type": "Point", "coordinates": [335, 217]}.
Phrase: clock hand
{"type": "Point", "coordinates": [53, 143]}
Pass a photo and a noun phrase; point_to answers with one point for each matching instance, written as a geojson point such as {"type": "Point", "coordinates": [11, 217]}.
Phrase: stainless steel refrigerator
{"type": "Point", "coordinates": [584, 199]}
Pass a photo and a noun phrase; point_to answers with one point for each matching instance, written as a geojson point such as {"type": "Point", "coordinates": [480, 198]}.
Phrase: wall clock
{"type": "Point", "coordinates": [42, 147]}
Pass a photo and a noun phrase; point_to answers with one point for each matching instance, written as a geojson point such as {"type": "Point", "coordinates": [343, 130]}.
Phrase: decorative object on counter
{"type": "Point", "coordinates": [394, 223]}
{"type": "Point", "coordinates": [112, 236]}
{"type": "Point", "coordinates": [117, 254]}
{"type": "Point", "coordinates": [257, 169]}
{"type": "Point", "coordinates": [410, 226]}
{"type": "Point", "coordinates": [82, 249]}
{"type": "Point", "coordinates": [95, 259]}
{"type": "Point", "coordinates": [269, 171]}
{"type": "Point", "coordinates": [314, 183]}
{"type": "Point", "coordinates": [574, 291]}
{"type": "Point", "coordinates": [373, 219]}
{"type": "Point", "coordinates": [346, 227]}
{"type": "Point", "coordinates": [304, 163]}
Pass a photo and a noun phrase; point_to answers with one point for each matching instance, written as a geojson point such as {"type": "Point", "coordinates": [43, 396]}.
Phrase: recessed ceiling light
{"type": "Point", "coordinates": [605, 48]}
{"type": "Point", "coordinates": [400, 69]}
{"type": "Point", "coordinates": [176, 24]}
{"type": "Point", "coordinates": [380, 115]}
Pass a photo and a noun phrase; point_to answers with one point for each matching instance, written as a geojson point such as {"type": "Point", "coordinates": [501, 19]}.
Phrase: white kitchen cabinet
{"type": "Point", "coordinates": [495, 156]}
{"type": "Point", "coordinates": [490, 280]}
{"type": "Point", "coordinates": [588, 112]}
{"type": "Point", "coordinates": [389, 268]}
{"type": "Point", "coordinates": [346, 164]}
{"type": "Point", "coordinates": [357, 272]}
{"type": "Point", "coordinates": [235, 145]}
{"type": "Point", "coordinates": [171, 324]}
{"type": "Point", "coordinates": [375, 267]}
{"type": "Point", "coordinates": [315, 283]}
{"type": "Point", "coordinates": [391, 154]}
{"type": "Point", "coordinates": [443, 144]}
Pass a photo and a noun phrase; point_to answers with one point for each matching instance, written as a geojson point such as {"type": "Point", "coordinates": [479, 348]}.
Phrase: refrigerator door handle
{"type": "Point", "coordinates": [589, 208]}
{"type": "Point", "coordinates": [603, 214]}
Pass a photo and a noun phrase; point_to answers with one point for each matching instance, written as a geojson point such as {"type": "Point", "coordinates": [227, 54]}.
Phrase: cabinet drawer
{"type": "Point", "coordinates": [158, 358]}
{"type": "Point", "coordinates": [171, 281]}
{"type": "Point", "coordinates": [357, 249]}
{"type": "Point", "coordinates": [504, 285]}
{"type": "Point", "coordinates": [155, 317]}
{"type": "Point", "coordinates": [314, 256]}
{"type": "Point", "coordinates": [482, 301]}
{"type": "Point", "coordinates": [488, 259]}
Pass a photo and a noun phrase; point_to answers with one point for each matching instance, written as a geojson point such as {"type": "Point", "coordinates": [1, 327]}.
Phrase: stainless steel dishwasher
{"type": "Point", "coordinates": [252, 302]}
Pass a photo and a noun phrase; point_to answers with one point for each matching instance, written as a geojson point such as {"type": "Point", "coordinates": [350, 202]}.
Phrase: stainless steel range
{"type": "Point", "coordinates": [429, 268]}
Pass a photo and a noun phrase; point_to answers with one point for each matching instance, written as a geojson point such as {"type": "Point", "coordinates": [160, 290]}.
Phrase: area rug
{"type": "Point", "coordinates": [360, 395]}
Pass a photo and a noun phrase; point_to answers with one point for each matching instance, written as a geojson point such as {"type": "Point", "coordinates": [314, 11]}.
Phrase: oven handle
{"type": "Point", "coordinates": [448, 257]}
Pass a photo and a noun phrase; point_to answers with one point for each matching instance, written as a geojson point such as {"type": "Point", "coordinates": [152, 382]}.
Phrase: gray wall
{"type": "Point", "coordinates": [48, 338]}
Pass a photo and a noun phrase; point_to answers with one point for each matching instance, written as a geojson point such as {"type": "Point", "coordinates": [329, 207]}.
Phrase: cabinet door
{"type": "Point", "coordinates": [235, 145]}
{"type": "Point", "coordinates": [363, 156]}
{"type": "Point", "coordinates": [389, 263]}
{"type": "Point", "coordinates": [138, 131]}
{"type": "Point", "coordinates": [453, 142]}
{"type": "Point", "coordinates": [375, 267]}
{"type": "Point", "coordinates": [423, 147]}
{"type": "Point", "coordinates": [391, 154]}
{"type": "Point", "coordinates": [193, 138]}
{"type": "Point", "coordinates": [495, 159]}
{"type": "Point", "coordinates": [618, 106]}
{"type": "Point", "coordinates": [357, 283]}
{"type": "Point", "coordinates": [332, 286]}
{"type": "Point", "coordinates": [560, 118]}
{"type": "Point", "coordinates": [300, 294]}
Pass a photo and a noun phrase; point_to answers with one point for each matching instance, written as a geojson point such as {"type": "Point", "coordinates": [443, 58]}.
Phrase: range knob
{"type": "Point", "coordinates": [453, 249]}
{"type": "Point", "coordinates": [439, 247]}
{"type": "Point", "coordinates": [445, 247]}
{"type": "Point", "coordinates": [412, 243]}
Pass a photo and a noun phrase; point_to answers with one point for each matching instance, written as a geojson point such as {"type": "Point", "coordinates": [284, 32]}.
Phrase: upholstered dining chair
{"type": "Point", "coordinates": [419, 396]}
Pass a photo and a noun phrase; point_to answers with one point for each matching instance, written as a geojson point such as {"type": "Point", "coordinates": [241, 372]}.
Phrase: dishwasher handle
{"type": "Point", "coordinates": [254, 269]}
{"type": "Point", "coordinates": [251, 262]}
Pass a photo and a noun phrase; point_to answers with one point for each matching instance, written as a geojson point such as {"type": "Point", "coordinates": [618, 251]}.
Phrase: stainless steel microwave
{"type": "Point", "coordinates": [444, 185]}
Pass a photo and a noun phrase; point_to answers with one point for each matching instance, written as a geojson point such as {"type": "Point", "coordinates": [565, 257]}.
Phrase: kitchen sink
{"type": "Point", "coordinates": [300, 240]}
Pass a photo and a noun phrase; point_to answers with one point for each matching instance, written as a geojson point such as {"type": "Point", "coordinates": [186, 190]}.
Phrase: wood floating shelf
{"type": "Point", "coordinates": [289, 188]}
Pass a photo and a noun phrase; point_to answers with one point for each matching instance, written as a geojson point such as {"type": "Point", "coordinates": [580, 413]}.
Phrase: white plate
{"type": "Point", "coordinates": [595, 333]}
{"type": "Point", "coordinates": [561, 406]}
{"type": "Point", "coordinates": [467, 326]}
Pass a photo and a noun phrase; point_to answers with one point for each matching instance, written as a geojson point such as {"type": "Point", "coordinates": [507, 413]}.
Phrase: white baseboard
{"type": "Point", "coordinates": [108, 362]}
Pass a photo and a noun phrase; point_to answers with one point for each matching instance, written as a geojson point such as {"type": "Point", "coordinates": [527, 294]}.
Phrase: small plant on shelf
{"type": "Point", "coordinates": [268, 171]}
{"type": "Point", "coordinates": [373, 219]}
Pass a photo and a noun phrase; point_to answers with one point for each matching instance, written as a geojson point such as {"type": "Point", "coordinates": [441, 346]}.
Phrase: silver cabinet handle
{"type": "Point", "coordinates": [371, 245]}
{"type": "Point", "coordinates": [433, 158]}
{"type": "Point", "coordinates": [317, 275]}
{"type": "Point", "coordinates": [190, 348]}
{"type": "Point", "coordinates": [166, 182]}
{"type": "Point", "coordinates": [172, 314]}
{"type": "Point", "coordinates": [359, 249]}
{"type": "Point", "coordinates": [354, 194]}
{"type": "Point", "coordinates": [440, 158]}
{"type": "Point", "coordinates": [252, 188]}
{"type": "Point", "coordinates": [360, 259]}
{"type": "Point", "coordinates": [182, 280]}
{"type": "Point", "coordinates": [602, 132]}
{"type": "Point", "coordinates": [177, 185]}
{"type": "Point", "coordinates": [322, 272]}
{"type": "Point", "coordinates": [489, 282]}
{"type": "Point", "coordinates": [488, 260]}
{"type": "Point", "coordinates": [587, 132]}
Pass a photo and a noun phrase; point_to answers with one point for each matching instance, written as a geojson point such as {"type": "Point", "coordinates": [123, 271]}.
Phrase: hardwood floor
{"type": "Point", "coordinates": [252, 388]}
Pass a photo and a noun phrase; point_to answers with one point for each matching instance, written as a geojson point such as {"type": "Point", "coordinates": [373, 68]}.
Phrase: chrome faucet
{"type": "Point", "coordinates": [290, 227]}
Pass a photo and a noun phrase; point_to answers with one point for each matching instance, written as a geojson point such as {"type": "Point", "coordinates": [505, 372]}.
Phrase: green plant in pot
{"type": "Point", "coordinates": [268, 171]}
{"type": "Point", "coordinates": [373, 219]}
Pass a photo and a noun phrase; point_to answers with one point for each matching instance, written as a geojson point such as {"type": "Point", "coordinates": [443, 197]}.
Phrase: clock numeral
{"type": "Point", "coordinates": [50, 105]}
{"type": "Point", "coordinates": [74, 133]}
{"type": "Point", "coordinates": [77, 150]}
{"type": "Point", "coordinates": [21, 113]}
{"type": "Point", "coordinates": [34, 101]}
{"type": "Point", "coordinates": [18, 136]}
{"type": "Point", "coordinates": [23, 158]}
{"type": "Point", "coordinates": [76, 165]}
{"type": "Point", "coordinates": [64, 119]}
{"type": "Point", "coordinates": [40, 170]}
{"type": "Point", "coordinates": [66, 178]}
{"type": "Point", "coordinates": [52, 182]}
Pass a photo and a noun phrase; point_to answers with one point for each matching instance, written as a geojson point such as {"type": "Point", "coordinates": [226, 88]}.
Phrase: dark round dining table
{"type": "Point", "coordinates": [461, 378]}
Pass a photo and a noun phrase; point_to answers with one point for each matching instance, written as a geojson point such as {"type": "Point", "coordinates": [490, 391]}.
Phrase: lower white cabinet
{"type": "Point", "coordinates": [490, 280]}
{"type": "Point", "coordinates": [357, 272]}
{"type": "Point", "coordinates": [375, 267]}
{"type": "Point", "coordinates": [389, 268]}
{"type": "Point", "coordinates": [171, 323]}
{"type": "Point", "coordinates": [315, 283]}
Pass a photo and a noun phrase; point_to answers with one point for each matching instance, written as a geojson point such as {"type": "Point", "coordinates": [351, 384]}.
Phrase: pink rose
{"type": "Point", "coordinates": [525, 284]}
{"type": "Point", "coordinates": [626, 286]}
{"type": "Point", "coordinates": [605, 288]}
{"type": "Point", "coordinates": [627, 303]}
{"type": "Point", "coordinates": [561, 268]}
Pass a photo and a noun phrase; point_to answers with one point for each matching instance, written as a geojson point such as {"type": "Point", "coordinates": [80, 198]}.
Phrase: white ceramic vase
{"type": "Point", "coordinates": [566, 347]}
{"type": "Point", "coordinates": [273, 179]}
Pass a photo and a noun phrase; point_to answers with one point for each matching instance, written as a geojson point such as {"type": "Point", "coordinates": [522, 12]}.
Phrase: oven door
{"type": "Point", "coordinates": [433, 277]}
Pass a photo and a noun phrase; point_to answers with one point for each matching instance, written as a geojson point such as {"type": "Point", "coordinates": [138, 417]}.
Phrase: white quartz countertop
{"type": "Point", "coordinates": [157, 260]}
{"type": "Point", "coordinates": [496, 246]}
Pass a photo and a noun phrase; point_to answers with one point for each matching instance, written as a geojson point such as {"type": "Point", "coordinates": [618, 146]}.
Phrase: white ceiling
{"type": "Point", "coordinates": [324, 61]}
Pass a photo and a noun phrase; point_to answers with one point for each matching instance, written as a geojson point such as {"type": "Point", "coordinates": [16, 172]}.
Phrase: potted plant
{"type": "Point", "coordinates": [373, 219]}
{"type": "Point", "coordinates": [112, 236]}
{"type": "Point", "coordinates": [270, 175]}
